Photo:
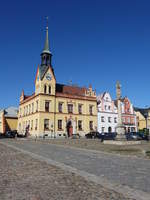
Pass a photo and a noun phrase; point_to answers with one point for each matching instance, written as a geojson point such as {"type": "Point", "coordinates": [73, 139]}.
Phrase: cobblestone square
{"type": "Point", "coordinates": [25, 178]}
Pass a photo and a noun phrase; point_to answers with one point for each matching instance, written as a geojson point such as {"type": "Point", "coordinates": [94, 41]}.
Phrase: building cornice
{"type": "Point", "coordinates": [84, 98]}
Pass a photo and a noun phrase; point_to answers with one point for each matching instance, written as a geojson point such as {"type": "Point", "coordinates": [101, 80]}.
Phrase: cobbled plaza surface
{"type": "Point", "coordinates": [27, 177]}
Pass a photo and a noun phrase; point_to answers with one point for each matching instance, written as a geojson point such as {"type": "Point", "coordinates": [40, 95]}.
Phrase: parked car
{"type": "Point", "coordinates": [1, 135]}
{"type": "Point", "coordinates": [110, 136]}
{"type": "Point", "coordinates": [143, 136]}
{"type": "Point", "coordinates": [93, 134]}
{"type": "Point", "coordinates": [10, 134]}
{"type": "Point", "coordinates": [133, 136]}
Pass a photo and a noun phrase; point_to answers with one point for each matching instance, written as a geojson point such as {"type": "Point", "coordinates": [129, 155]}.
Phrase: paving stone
{"type": "Point", "coordinates": [25, 178]}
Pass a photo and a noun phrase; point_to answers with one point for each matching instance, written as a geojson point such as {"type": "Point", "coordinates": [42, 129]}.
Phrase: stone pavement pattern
{"type": "Point", "coordinates": [122, 170]}
{"type": "Point", "coordinates": [25, 178]}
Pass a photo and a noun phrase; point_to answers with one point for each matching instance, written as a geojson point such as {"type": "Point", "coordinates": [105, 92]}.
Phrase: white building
{"type": "Point", "coordinates": [107, 113]}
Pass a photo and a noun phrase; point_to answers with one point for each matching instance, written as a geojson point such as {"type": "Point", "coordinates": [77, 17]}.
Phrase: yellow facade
{"type": "Point", "coordinates": [1, 122]}
{"type": "Point", "coordinates": [142, 121]}
{"type": "Point", "coordinates": [7, 123]}
{"type": "Point", "coordinates": [40, 113]}
{"type": "Point", "coordinates": [11, 123]}
{"type": "Point", "coordinates": [32, 113]}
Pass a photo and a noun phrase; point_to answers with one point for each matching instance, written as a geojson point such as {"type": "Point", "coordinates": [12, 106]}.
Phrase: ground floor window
{"type": "Point", "coordinates": [79, 125]}
{"type": "Point", "coordinates": [36, 124]}
{"type": "Point", "coordinates": [103, 129]}
{"type": "Point", "coordinates": [46, 124]}
{"type": "Point", "coordinates": [31, 124]}
{"type": "Point", "coordinates": [91, 125]}
{"type": "Point", "coordinates": [59, 124]}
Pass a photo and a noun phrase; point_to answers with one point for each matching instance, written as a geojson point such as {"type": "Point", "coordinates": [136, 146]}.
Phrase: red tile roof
{"type": "Point", "coordinates": [72, 90]}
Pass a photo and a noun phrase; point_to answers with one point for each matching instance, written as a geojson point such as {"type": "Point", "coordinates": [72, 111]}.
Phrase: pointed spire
{"type": "Point", "coordinates": [46, 46]}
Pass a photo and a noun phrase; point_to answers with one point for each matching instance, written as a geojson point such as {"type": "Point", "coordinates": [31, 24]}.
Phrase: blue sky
{"type": "Point", "coordinates": [92, 41]}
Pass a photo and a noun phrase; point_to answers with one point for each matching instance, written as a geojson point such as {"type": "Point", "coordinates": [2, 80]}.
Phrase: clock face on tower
{"type": "Point", "coordinates": [48, 77]}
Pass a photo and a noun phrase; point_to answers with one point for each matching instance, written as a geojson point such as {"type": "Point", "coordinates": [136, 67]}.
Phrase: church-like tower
{"type": "Point", "coordinates": [46, 54]}
{"type": "Point", "coordinates": [56, 109]}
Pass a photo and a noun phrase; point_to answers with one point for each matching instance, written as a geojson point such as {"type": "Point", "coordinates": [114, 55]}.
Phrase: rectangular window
{"type": "Point", "coordinates": [59, 124]}
{"type": "Point", "coordinates": [70, 108]}
{"type": "Point", "coordinates": [46, 106]}
{"type": "Point", "coordinates": [102, 119]}
{"type": "Point", "coordinates": [32, 107]}
{"type": "Point", "coordinates": [129, 120]}
{"type": "Point", "coordinates": [91, 110]}
{"type": "Point", "coordinates": [103, 129]}
{"type": "Point", "coordinates": [60, 107]}
{"type": "Point", "coordinates": [46, 124]}
{"type": "Point", "coordinates": [115, 120]}
{"type": "Point", "coordinates": [49, 89]}
{"type": "Point", "coordinates": [37, 105]}
{"type": "Point", "coordinates": [80, 125]}
{"type": "Point", "coordinates": [29, 109]}
{"type": "Point", "coordinates": [36, 124]}
{"type": "Point", "coordinates": [109, 119]}
{"type": "Point", "coordinates": [91, 125]}
{"type": "Point", "coordinates": [80, 109]}
{"type": "Point", "coordinates": [31, 124]}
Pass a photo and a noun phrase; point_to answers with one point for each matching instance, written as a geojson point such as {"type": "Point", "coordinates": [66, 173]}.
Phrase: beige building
{"type": "Point", "coordinates": [8, 119]}
{"type": "Point", "coordinates": [143, 118]}
{"type": "Point", "coordinates": [56, 109]}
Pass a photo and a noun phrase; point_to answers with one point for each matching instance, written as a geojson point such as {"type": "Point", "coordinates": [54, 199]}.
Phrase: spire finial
{"type": "Point", "coordinates": [46, 22]}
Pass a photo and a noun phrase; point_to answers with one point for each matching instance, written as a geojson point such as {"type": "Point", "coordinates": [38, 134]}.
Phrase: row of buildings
{"type": "Point", "coordinates": [57, 109]}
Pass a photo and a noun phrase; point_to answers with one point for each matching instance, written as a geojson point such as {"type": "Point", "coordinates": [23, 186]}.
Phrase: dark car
{"type": "Point", "coordinates": [110, 136]}
{"type": "Point", "coordinates": [1, 135]}
{"type": "Point", "coordinates": [93, 134]}
{"type": "Point", "coordinates": [10, 134]}
{"type": "Point", "coordinates": [133, 136]}
{"type": "Point", "coordinates": [143, 136]}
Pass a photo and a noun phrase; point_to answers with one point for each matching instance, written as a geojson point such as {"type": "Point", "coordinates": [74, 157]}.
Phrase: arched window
{"type": "Point", "coordinates": [49, 89]}
{"type": "Point", "coordinates": [45, 89]}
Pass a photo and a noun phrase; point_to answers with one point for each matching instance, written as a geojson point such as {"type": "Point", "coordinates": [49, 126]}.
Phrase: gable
{"type": "Point", "coordinates": [48, 76]}
{"type": "Point", "coordinates": [37, 77]}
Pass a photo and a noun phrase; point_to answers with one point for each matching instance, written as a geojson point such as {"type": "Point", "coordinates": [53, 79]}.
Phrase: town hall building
{"type": "Point", "coordinates": [56, 109]}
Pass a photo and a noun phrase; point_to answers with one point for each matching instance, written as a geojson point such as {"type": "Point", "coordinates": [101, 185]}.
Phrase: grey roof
{"type": "Point", "coordinates": [11, 112]}
{"type": "Point", "coordinates": [42, 70]}
{"type": "Point", "coordinates": [143, 111]}
{"type": "Point", "coordinates": [46, 46]}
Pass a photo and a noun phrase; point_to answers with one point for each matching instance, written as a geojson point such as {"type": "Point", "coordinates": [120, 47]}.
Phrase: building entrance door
{"type": "Point", "coordinates": [69, 129]}
{"type": "Point", "coordinates": [109, 129]}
